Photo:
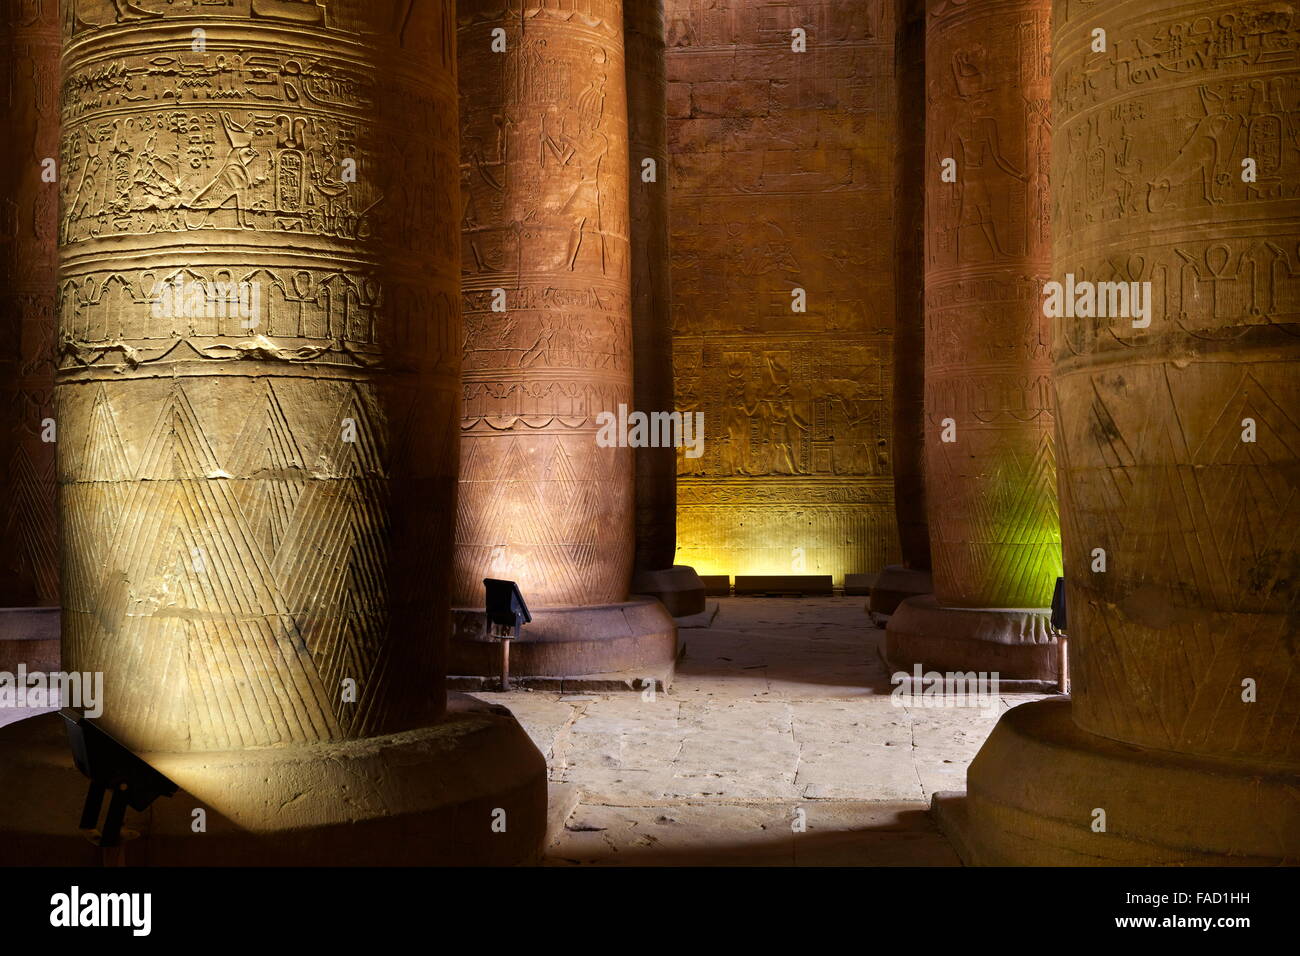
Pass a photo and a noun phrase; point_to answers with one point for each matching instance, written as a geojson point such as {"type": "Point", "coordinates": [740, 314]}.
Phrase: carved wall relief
{"type": "Point", "coordinates": [29, 52]}
{"type": "Point", "coordinates": [782, 179]}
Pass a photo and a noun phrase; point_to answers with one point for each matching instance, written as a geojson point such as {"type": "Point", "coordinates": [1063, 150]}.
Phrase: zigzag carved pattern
{"type": "Point", "coordinates": [1199, 528]}
{"type": "Point", "coordinates": [226, 607]}
{"type": "Point", "coordinates": [997, 538]}
{"type": "Point", "coordinates": [551, 513]}
{"type": "Point", "coordinates": [29, 530]}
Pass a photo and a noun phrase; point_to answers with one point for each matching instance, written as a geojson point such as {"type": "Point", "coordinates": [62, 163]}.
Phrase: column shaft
{"type": "Point", "coordinates": [544, 166]}
{"type": "Point", "coordinates": [260, 347]}
{"type": "Point", "coordinates": [990, 469]}
{"type": "Point", "coordinates": [910, 175]}
{"type": "Point", "coordinates": [1175, 339]}
{"type": "Point", "coordinates": [992, 503]}
{"type": "Point", "coordinates": [897, 582]}
{"type": "Point", "coordinates": [1181, 451]}
{"type": "Point", "coordinates": [652, 340]}
{"type": "Point", "coordinates": [257, 303]}
{"type": "Point", "coordinates": [546, 483]}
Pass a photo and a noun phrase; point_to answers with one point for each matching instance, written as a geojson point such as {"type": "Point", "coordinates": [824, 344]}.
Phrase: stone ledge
{"type": "Point", "coordinates": [782, 584]}
{"type": "Point", "coordinates": [634, 638]}
{"type": "Point", "coordinates": [30, 636]}
{"type": "Point", "coordinates": [894, 585]}
{"type": "Point", "coordinates": [617, 682]}
{"type": "Point", "coordinates": [679, 589]}
{"type": "Point", "coordinates": [1018, 643]}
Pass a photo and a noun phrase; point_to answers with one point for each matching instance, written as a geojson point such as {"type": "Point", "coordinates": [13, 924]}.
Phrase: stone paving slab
{"type": "Point", "coordinates": [782, 702]}
{"type": "Point", "coordinates": [835, 834]}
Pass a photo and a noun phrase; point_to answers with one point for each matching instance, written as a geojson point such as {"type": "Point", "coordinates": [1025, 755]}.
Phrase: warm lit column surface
{"type": "Point", "coordinates": [29, 120]}
{"type": "Point", "coordinates": [1175, 336]}
{"type": "Point", "coordinates": [897, 582]}
{"type": "Point", "coordinates": [1181, 452]}
{"type": "Point", "coordinates": [990, 467]}
{"type": "Point", "coordinates": [547, 272]}
{"type": "Point", "coordinates": [256, 388]}
{"type": "Point", "coordinates": [256, 392]}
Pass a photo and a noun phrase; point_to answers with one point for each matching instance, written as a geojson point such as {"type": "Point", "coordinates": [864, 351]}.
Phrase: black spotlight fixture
{"type": "Point", "coordinates": [1058, 605]}
{"type": "Point", "coordinates": [1063, 644]}
{"type": "Point", "coordinates": [506, 613]}
{"type": "Point", "coordinates": [111, 767]}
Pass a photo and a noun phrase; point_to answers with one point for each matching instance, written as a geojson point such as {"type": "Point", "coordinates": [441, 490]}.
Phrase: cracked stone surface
{"type": "Point", "coordinates": [781, 706]}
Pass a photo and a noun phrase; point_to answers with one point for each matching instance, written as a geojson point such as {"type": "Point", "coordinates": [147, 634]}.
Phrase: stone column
{"type": "Point", "coordinates": [546, 493]}
{"type": "Point", "coordinates": [679, 588]}
{"type": "Point", "coordinates": [1174, 167]}
{"type": "Point", "coordinates": [990, 467]}
{"type": "Point", "coordinates": [29, 118]}
{"type": "Point", "coordinates": [257, 387]}
{"type": "Point", "coordinates": [900, 581]}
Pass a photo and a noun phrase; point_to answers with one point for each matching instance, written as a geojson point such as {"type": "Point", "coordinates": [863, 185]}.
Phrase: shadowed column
{"type": "Point", "coordinates": [29, 578]}
{"type": "Point", "coordinates": [257, 390]}
{"type": "Point", "coordinates": [545, 501]}
{"type": "Point", "coordinates": [990, 464]}
{"type": "Point", "coordinates": [679, 588]}
{"type": "Point", "coordinates": [900, 581]}
{"type": "Point", "coordinates": [1176, 215]}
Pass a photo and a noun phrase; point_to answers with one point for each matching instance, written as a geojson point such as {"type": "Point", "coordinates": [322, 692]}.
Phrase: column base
{"type": "Point", "coordinates": [859, 584]}
{"type": "Point", "coordinates": [679, 589]}
{"type": "Point", "coordinates": [894, 585]}
{"type": "Point", "coordinates": [635, 639]}
{"type": "Point", "coordinates": [1018, 643]}
{"type": "Point", "coordinates": [1034, 787]}
{"type": "Point", "coordinates": [426, 797]}
{"type": "Point", "coordinates": [30, 636]}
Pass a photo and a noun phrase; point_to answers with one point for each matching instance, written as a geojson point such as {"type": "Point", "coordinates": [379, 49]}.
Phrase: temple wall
{"type": "Point", "coordinates": [782, 177]}
{"type": "Point", "coordinates": [29, 120]}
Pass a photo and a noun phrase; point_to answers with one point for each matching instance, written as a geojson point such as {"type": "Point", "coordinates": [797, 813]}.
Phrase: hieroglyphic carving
{"type": "Point", "coordinates": [782, 170]}
{"type": "Point", "coordinates": [992, 504]}
{"type": "Point", "coordinates": [29, 118]}
{"type": "Point", "coordinates": [1199, 526]}
{"type": "Point", "coordinates": [544, 175]}
{"type": "Point", "coordinates": [652, 339]}
{"type": "Point", "coordinates": [255, 505]}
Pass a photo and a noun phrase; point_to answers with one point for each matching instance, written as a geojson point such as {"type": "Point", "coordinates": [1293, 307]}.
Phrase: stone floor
{"type": "Point", "coordinates": [781, 712]}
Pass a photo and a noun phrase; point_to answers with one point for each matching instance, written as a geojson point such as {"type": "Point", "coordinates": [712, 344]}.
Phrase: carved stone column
{"type": "Point", "coordinates": [679, 588]}
{"type": "Point", "coordinates": [29, 119]}
{"type": "Point", "coordinates": [1175, 167]}
{"type": "Point", "coordinates": [900, 581]}
{"type": "Point", "coordinates": [544, 501]}
{"type": "Point", "coordinates": [990, 466]}
{"type": "Point", "coordinates": [257, 388]}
